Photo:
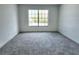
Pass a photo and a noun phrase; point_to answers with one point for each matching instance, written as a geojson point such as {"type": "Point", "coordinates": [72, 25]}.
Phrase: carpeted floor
{"type": "Point", "coordinates": [40, 43]}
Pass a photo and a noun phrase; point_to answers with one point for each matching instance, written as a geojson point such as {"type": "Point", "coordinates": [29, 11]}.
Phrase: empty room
{"type": "Point", "coordinates": [39, 29]}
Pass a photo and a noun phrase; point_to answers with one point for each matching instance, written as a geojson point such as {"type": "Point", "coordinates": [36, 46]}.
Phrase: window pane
{"type": "Point", "coordinates": [36, 16]}
{"type": "Point", "coordinates": [43, 17]}
{"type": "Point", "coordinates": [33, 17]}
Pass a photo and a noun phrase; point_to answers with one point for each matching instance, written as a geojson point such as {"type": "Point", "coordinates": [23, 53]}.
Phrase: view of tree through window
{"type": "Point", "coordinates": [38, 17]}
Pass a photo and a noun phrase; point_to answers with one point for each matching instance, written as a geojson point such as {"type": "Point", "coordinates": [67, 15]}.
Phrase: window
{"type": "Point", "coordinates": [38, 17]}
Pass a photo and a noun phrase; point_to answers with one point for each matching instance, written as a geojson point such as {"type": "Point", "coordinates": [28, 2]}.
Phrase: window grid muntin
{"type": "Point", "coordinates": [41, 21]}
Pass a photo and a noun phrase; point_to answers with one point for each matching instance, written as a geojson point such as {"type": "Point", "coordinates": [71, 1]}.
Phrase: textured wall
{"type": "Point", "coordinates": [52, 17]}
{"type": "Point", "coordinates": [69, 21]}
{"type": "Point", "coordinates": [8, 23]}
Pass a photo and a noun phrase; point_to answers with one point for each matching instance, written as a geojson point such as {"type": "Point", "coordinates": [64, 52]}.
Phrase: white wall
{"type": "Point", "coordinates": [69, 21]}
{"type": "Point", "coordinates": [8, 23]}
{"type": "Point", "coordinates": [52, 17]}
